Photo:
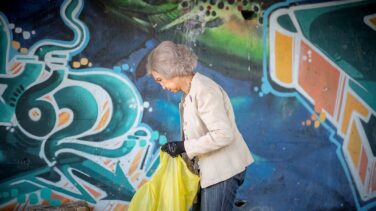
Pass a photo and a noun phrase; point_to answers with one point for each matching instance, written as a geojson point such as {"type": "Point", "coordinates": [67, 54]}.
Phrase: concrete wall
{"type": "Point", "coordinates": [81, 120]}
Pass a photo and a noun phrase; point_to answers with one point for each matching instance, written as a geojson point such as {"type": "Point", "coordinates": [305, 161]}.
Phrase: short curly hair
{"type": "Point", "coordinates": [171, 60]}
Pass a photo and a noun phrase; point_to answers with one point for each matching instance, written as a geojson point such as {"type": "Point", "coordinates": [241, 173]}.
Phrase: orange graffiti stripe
{"type": "Point", "coordinates": [363, 165]}
{"type": "Point", "coordinates": [318, 78]}
{"type": "Point", "coordinates": [352, 105]}
{"type": "Point", "coordinates": [93, 192]}
{"type": "Point", "coordinates": [62, 198]}
{"type": "Point", "coordinates": [120, 207]}
{"type": "Point", "coordinates": [109, 164]}
{"type": "Point", "coordinates": [17, 70]}
{"type": "Point", "coordinates": [354, 145]}
{"type": "Point", "coordinates": [373, 21]}
{"type": "Point", "coordinates": [283, 57]}
{"type": "Point", "coordinates": [47, 97]}
{"type": "Point", "coordinates": [142, 183]}
{"type": "Point", "coordinates": [45, 202]}
{"type": "Point", "coordinates": [10, 207]}
{"type": "Point", "coordinates": [105, 105]}
{"type": "Point", "coordinates": [135, 162]}
{"type": "Point", "coordinates": [112, 166]}
{"type": "Point", "coordinates": [103, 120]}
{"type": "Point", "coordinates": [135, 176]}
{"type": "Point", "coordinates": [106, 162]}
{"type": "Point", "coordinates": [63, 118]}
{"type": "Point", "coordinates": [16, 67]}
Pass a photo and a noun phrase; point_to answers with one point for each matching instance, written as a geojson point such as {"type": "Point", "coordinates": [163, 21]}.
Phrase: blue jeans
{"type": "Point", "coordinates": [220, 196]}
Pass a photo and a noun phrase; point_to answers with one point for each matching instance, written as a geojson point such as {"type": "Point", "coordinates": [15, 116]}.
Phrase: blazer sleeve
{"type": "Point", "coordinates": [211, 110]}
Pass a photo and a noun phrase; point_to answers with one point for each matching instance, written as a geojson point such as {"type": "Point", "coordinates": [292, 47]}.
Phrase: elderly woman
{"type": "Point", "coordinates": [210, 136]}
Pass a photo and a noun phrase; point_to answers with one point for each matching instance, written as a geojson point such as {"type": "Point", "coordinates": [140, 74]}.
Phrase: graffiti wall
{"type": "Point", "coordinates": [81, 120]}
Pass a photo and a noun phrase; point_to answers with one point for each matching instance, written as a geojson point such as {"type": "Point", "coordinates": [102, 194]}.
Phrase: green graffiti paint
{"type": "Point", "coordinates": [16, 86]}
{"type": "Point", "coordinates": [162, 140]}
{"type": "Point", "coordinates": [21, 199]}
{"type": "Point", "coordinates": [55, 202]}
{"type": "Point", "coordinates": [46, 194]}
{"type": "Point", "coordinates": [2, 157]}
{"type": "Point", "coordinates": [223, 40]}
{"type": "Point", "coordinates": [13, 192]}
{"type": "Point", "coordinates": [130, 144]}
{"type": "Point", "coordinates": [29, 100]}
{"type": "Point", "coordinates": [4, 37]}
{"type": "Point", "coordinates": [140, 133]}
{"type": "Point", "coordinates": [126, 111]}
{"type": "Point", "coordinates": [77, 27]}
{"type": "Point", "coordinates": [132, 137]}
{"type": "Point", "coordinates": [33, 198]}
{"type": "Point", "coordinates": [142, 143]}
{"type": "Point", "coordinates": [5, 194]}
{"type": "Point", "coordinates": [286, 22]}
{"type": "Point", "coordinates": [124, 116]}
{"type": "Point", "coordinates": [154, 135]}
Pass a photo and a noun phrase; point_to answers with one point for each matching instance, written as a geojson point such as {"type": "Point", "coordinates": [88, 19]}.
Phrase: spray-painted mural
{"type": "Point", "coordinates": [81, 120]}
{"type": "Point", "coordinates": [328, 57]}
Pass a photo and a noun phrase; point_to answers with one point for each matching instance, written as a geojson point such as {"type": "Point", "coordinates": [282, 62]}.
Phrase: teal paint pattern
{"type": "Point", "coordinates": [82, 127]}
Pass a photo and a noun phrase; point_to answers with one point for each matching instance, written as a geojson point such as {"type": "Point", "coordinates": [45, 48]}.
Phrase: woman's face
{"type": "Point", "coordinates": [172, 85]}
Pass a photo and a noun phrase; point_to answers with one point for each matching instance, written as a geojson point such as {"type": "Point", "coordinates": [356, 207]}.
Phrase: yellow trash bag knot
{"type": "Point", "coordinates": [173, 187]}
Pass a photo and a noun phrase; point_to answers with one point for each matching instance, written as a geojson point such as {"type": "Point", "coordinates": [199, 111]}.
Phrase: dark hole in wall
{"type": "Point", "coordinates": [240, 203]}
{"type": "Point", "coordinates": [247, 14]}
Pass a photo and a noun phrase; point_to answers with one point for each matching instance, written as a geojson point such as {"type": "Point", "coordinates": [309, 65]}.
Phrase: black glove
{"type": "Point", "coordinates": [173, 148]}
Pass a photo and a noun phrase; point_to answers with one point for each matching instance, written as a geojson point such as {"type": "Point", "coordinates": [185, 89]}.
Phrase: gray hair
{"type": "Point", "coordinates": [171, 60]}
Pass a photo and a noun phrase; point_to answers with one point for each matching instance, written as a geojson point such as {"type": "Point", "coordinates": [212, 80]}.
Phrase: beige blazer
{"type": "Point", "coordinates": [210, 131]}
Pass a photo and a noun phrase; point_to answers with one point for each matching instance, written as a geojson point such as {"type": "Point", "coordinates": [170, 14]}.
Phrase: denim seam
{"type": "Point", "coordinates": [224, 197]}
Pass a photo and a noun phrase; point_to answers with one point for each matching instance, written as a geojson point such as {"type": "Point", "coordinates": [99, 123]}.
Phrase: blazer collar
{"type": "Point", "coordinates": [194, 86]}
{"type": "Point", "coordinates": [194, 83]}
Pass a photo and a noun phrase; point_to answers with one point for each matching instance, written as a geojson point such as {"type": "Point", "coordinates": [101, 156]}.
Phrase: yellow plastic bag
{"type": "Point", "coordinates": [173, 187]}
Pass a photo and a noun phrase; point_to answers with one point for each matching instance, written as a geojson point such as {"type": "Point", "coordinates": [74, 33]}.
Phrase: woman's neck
{"type": "Point", "coordinates": [186, 83]}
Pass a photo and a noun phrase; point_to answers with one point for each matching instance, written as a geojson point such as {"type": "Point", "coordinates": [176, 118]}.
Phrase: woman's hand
{"type": "Point", "coordinates": [173, 148]}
